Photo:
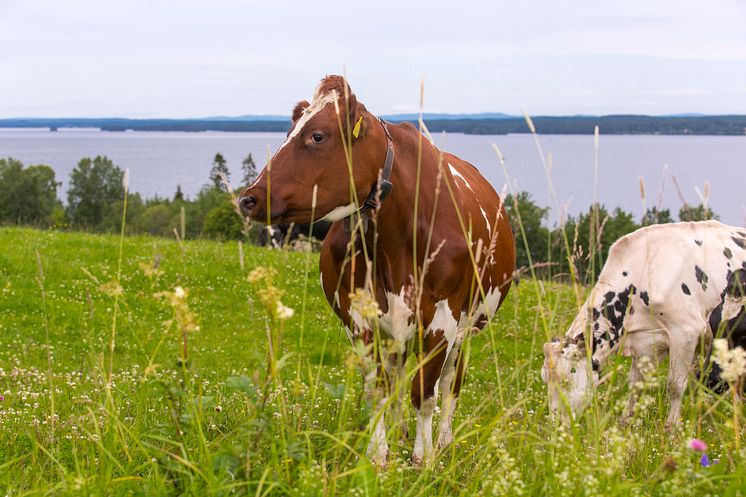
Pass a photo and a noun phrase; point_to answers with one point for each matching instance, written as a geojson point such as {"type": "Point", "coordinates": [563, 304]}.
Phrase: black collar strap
{"type": "Point", "coordinates": [384, 185]}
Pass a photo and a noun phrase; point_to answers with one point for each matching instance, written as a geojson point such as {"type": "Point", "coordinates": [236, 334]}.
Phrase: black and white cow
{"type": "Point", "coordinates": [728, 320]}
{"type": "Point", "coordinates": [653, 297]}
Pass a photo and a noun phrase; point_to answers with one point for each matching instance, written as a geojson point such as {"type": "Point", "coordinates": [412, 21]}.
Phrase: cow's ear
{"type": "Point", "coordinates": [359, 119]}
{"type": "Point", "coordinates": [300, 107]}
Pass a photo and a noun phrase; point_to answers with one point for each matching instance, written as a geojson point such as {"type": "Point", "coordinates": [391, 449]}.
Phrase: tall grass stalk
{"type": "Point", "coordinates": [117, 286]}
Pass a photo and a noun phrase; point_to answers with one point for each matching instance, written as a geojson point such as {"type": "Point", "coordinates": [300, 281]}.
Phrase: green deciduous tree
{"type": "Point", "coordinates": [696, 213]}
{"type": "Point", "coordinates": [95, 190]}
{"type": "Point", "coordinates": [655, 216]}
{"type": "Point", "coordinates": [156, 219]}
{"type": "Point", "coordinates": [522, 210]}
{"type": "Point", "coordinates": [28, 195]}
{"type": "Point", "coordinates": [223, 222]}
{"type": "Point", "coordinates": [590, 252]}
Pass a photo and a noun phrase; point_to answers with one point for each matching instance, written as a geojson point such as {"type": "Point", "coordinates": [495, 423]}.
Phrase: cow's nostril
{"type": "Point", "coordinates": [247, 204]}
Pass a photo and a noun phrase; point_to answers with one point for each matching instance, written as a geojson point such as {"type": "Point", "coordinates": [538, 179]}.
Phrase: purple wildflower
{"type": "Point", "coordinates": [698, 445]}
{"type": "Point", "coordinates": [704, 461]}
{"type": "Point", "coordinates": [2, 398]}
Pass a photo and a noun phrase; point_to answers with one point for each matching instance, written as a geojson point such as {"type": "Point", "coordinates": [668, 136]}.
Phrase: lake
{"type": "Point", "coordinates": [158, 161]}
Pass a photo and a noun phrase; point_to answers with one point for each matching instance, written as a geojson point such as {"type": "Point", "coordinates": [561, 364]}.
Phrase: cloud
{"type": "Point", "coordinates": [158, 58]}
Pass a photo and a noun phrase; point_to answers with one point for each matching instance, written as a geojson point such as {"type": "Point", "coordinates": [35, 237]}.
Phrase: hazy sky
{"type": "Point", "coordinates": [158, 58]}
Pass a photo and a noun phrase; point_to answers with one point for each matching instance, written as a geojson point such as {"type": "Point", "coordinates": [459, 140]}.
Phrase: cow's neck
{"type": "Point", "coordinates": [606, 309]}
{"type": "Point", "coordinates": [395, 218]}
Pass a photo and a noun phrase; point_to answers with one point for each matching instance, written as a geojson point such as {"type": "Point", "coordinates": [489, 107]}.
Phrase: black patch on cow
{"type": "Point", "coordinates": [645, 297]}
{"type": "Point", "coordinates": [613, 307]}
{"type": "Point", "coordinates": [741, 242]}
{"type": "Point", "coordinates": [685, 289]}
{"type": "Point", "coordinates": [734, 330]}
{"type": "Point", "coordinates": [594, 365]}
{"type": "Point", "coordinates": [624, 273]}
{"type": "Point", "coordinates": [701, 277]}
{"type": "Point", "coordinates": [727, 253]}
{"type": "Point", "coordinates": [698, 242]}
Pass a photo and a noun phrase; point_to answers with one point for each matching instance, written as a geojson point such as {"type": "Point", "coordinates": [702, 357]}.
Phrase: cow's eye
{"type": "Point", "coordinates": [317, 137]}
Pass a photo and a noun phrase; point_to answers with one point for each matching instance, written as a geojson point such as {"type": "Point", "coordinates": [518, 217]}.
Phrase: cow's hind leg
{"type": "Point", "coordinates": [424, 395]}
{"type": "Point", "coordinates": [450, 385]}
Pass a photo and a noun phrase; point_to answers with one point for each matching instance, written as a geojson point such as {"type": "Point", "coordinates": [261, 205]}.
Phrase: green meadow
{"type": "Point", "coordinates": [154, 368]}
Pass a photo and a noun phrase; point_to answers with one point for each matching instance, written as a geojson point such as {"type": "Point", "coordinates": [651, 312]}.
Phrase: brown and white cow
{"type": "Point", "coordinates": [348, 166]}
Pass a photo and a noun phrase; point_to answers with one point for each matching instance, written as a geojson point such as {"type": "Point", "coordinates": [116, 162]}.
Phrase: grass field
{"type": "Point", "coordinates": [186, 403]}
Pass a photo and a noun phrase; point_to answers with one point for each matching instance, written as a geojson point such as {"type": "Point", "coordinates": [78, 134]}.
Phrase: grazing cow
{"type": "Point", "coordinates": [418, 231]}
{"type": "Point", "coordinates": [654, 296]}
{"type": "Point", "coordinates": [728, 321]}
{"type": "Point", "coordinates": [277, 235]}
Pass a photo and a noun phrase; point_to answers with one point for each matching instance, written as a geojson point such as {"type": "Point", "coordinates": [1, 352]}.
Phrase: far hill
{"type": "Point", "coordinates": [477, 124]}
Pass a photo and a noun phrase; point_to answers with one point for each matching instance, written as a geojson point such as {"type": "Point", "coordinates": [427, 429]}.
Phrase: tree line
{"type": "Point", "coordinates": [96, 193]}
{"type": "Point", "coordinates": [563, 125]}
{"type": "Point", "coordinates": [95, 199]}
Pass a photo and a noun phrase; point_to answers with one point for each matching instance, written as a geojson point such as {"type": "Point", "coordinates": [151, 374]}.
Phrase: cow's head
{"type": "Point", "coordinates": [314, 154]}
{"type": "Point", "coordinates": [565, 371]}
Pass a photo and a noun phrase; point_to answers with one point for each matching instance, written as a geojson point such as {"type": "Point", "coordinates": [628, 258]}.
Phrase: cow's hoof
{"type": "Point", "coordinates": [378, 455]}
{"type": "Point", "coordinates": [671, 427]}
{"type": "Point", "coordinates": [420, 461]}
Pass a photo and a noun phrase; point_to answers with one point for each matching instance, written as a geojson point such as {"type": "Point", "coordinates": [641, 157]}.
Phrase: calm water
{"type": "Point", "coordinates": [158, 161]}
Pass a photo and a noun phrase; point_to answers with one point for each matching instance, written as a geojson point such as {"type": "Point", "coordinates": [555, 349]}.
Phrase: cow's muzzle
{"type": "Point", "coordinates": [247, 204]}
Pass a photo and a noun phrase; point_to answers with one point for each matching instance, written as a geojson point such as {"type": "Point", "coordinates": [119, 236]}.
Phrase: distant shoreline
{"type": "Point", "coordinates": [733, 125]}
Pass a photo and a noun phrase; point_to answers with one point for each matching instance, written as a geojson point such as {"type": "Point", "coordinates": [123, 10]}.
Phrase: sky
{"type": "Point", "coordinates": [168, 58]}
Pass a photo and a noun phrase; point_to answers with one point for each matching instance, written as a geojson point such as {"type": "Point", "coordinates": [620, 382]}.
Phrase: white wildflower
{"type": "Point", "coordinates": [283, 312]}
{"type": "Point", "coordinates": [731, 361]}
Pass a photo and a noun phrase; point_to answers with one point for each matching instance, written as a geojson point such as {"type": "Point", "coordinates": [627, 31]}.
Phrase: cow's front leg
{"type": "Point", "coordinates": [424, 396]}
{"type": "Point", "coordinates": [378, 448]}
{"type": "Point", "coordinates": [681, 361]}
{"type": "Point", "coordinates": [634, 377]}
{"type": "Point", "coordinates": [450, 382]}
{"type": "Point", "coordinates": [396, 375]}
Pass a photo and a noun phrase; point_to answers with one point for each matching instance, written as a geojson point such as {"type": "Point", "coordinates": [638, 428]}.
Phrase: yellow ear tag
{"type": "Point", "coordinates": [356, 129]}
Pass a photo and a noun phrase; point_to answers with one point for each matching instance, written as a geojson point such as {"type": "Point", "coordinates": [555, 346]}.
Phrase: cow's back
{"type": "Point", "coordinates": [676, 268]}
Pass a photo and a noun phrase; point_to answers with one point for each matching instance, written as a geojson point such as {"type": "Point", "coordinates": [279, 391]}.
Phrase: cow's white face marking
{"type": "Point", "coordinates": [565, 373]}
{"type": "Point", "coordinates": [339, 213]}
{"type": "Point", "coordinates": [318, 104]}
{"type": "Point", "coordinates": [458, 175]}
